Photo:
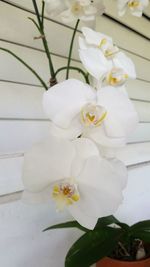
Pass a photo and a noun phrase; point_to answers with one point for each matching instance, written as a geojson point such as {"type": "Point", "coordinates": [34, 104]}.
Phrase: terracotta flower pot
{"type": "Point", "coordinates": [108, 262]}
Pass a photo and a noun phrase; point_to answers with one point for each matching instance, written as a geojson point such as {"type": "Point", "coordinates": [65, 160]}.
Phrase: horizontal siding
{"type": "Point", "coordinates": [140, 25]}
{"type": "Point", "coordinates": [17, 136]}
{"type": "Point", "coordinates": [27, 38]}
{"type": "Point", "coordinates": [141, 134]}
{"type": "Point", "coordinates": [118, 32]}
{"type": "Point", "coordinates": [21, 101]}
{"type": "Point", "coordinates": [138, 90]}
{"type": "Point", "coordinates": [22, 241]}
{"type": "Point", "coordinates": [10, 175]}
{"type": "Point", "coordinates": [111, 9]}
{"type": "Point", "coordinates": [12, 69]}
{"type": "Point", "coordinates": [123, 37]}
{"type": "Point", "coordinates": [135, 206]}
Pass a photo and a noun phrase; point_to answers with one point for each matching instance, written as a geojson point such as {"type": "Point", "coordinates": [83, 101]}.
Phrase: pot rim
{"type": "Point", "coordinates": [116, 260]}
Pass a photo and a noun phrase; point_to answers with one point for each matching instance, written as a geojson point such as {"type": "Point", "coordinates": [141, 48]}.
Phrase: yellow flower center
{"type": "Point", "coordinates": [111, 51]}
{"type": "Point", "coordinates": [76, 8]}
{"type": "Point", "coordinates": [92, 115]}
{"type": "Point", "coordinates": [133, 4]}
{"type": "Point", "coordinates": [116, 77]}
{"type": "Point", "coordinates": [102, 42]}
{"type": "Point", "coordinates": [65, 193]}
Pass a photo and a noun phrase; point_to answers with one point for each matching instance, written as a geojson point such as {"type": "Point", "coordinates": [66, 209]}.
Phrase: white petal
{"type": "Point", "coordinates": [67, 16]}
{"type": "Point", "coordinates": [100, 136]}
{"type": "Point", "coordinates": [46, 162]}
{"type": "Point", "coordinates": [124, 62]}
{"type": "Point", "coordinates": [73, 131]}
{"type": "Point", "coordinates": [93, 37]}
{"type": "Point", "coordinates": [63, 102]}
{"type": "Point", "coordinates": [54, 7]}
{"type": "Point", "coordinates": [100, 191]}
{"type": "Point", "coordinates": [95, 62]}
{"type": "Point", "coordinates": [137, 13]}
{"type": "Point", "coordinates": [85, 148]}
{"type": "Point", "coordinates": [120, 170]}
{"type": "Point", "coordinates": [82, 218]}
{"type": "Point", "coordinates": [121, 117]}
{"type": "Point", "coordinates": [90, 10]}
{"type": "Point", "coordinates": [37, 197]}
{"type": "Point", "coordinates": [122, 3]}
{"type": "Point", "coordinates": [82, 43]}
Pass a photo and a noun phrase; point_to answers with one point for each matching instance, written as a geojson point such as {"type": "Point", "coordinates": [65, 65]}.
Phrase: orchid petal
{"type": "Point", "coordinates": [54, 7]}
{"type": "Point", "coordinates": [124, 62]}
{"type": "Point", "coordinates": [121, 117]}
{"type": "Point", "coordinates": [63, 102]}
{"type": "Point", "coordinates": [93, 37]}
{"type": "Point", "coordinates": [100, 136]}
{"type": "Point", "coordinates": [85, 148]}
{"type": "Point", "coordinates": [73, 131]}
{"type": "Point", "coordinates": [46, 162]}
{"type": "Point", "coordinates": [95, 62]}
{"type": "Point", "coordinates": [99, 196]}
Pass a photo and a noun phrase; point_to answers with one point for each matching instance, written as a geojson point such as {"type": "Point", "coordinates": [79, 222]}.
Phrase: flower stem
{"type": "Point", "coordinates": [71, 48]}
{"type": "Point", "coordinates": [26, 65]}
{"type": "Point", "coordinates": [44, 40]}
{"type": "Point", "coordinates": [77, 69]}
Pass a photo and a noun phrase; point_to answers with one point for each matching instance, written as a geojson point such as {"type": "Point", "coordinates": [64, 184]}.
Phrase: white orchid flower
{"type": "Point", "coordinates": [74, 176]}
{"type": "Point", "coordinates": [98, 40]}
{"type": "Point", "coordinates": [136, 7]}
{"type": "Point", "coordinates": [107, 115]}
{"type": "Point", "coordinates": [54, 7]}
{"type": "Point", "coordinates": [113, 72]}
{"type": "Point", "coordinates": [85, 10]}
{"type": "Point", "coordinates": [103, 60]}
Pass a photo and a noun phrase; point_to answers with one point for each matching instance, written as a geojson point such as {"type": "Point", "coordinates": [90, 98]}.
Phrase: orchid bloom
{"type": "Point", "coordinates": [85, 10]}
{"type": "Point", "coordinates": [55, 7]}
{"type": "Point", "coordinates": [74, 176]}
{"type": "Point", "coordinates": [103, 60]}
{"type": "Point", "coordinates": [98, 40]}
{"type": "Point", "coordinates": [136, 7]}
{"type": "Point", "coordinates": [76, 109]}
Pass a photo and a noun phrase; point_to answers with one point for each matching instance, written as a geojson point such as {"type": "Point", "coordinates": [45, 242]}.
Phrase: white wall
{"type": "Point", "coordinates": [23, 122]}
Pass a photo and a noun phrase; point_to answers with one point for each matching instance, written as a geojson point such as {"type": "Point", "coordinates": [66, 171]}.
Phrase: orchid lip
{"type": "Point", "coordinates": [65, 193]}
{"type": "Point", "coordinates": [133, 4]}
{"type": "Point", "coordinates": [116, 77]}
{"type": "Point", "coordinates": [92, 115]}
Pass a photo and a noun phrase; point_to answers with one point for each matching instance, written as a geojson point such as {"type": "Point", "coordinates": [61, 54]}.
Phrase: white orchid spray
{"type": "Point", "coordinates": [71, 10]}
{"type": "Point", "coordinates": [74, 176]}
{"type": "Point", "coordinates": [135, 7]}
{"type": "Point", "coordinates": [103, 60]}
{"type": "Point", "coordinates": [68, 168]}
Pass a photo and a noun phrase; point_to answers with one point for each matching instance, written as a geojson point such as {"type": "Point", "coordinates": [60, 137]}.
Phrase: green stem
{"type": "Point", "coordinates": [77, 69]}
{"type": "Point", "coordinates": [43, 8]}
{"type": "Point", "coordinates": [27, 66]}
{"type": "Point", "coordinates": [41, 26]}
{"type": "Point", "coordinates": [71, 48]}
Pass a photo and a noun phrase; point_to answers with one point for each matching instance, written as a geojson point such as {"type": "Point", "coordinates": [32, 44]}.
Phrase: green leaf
{"type": "Point", "coordinates": [92, 246]}
{"type": "Point", "coordinates": [70, 224]}
{"type": "Point", "coordinates": [124, 226]}
{"type": "Point", "coordinates": [104, 221]}
{"type": "Point", "coordinates": [143, 225]}
{"type": "Point", "coordinates": [143, 235]}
